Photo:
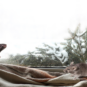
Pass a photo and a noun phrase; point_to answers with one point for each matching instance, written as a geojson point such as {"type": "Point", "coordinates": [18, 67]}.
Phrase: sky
{"type": "Point", "coordinates": [26, 24]}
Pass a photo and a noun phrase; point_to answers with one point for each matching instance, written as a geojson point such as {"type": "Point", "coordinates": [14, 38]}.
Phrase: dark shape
{"type": "Point", "coordinates": [2, 47]}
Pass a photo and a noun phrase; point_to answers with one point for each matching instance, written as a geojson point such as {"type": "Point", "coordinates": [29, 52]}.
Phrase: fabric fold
{"type": "Point", "coordinates": [17, 75]}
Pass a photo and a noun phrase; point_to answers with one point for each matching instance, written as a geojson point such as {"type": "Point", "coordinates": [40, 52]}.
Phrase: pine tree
{"type": "Point", "coordinates": [76, 46]}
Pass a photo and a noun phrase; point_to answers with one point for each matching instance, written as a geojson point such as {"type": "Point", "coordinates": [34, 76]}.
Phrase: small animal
{"type": "Point", "coordinates": [77, 70]}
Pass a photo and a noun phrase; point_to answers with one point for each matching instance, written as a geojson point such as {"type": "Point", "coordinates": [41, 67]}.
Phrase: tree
{"type": "Point", "coordinates": [45, 56]}
{"type": "Point", "coordinates": [17, 59]}
{"type": "Point", "coordinates": [31, 59]}
{"type": "Point", "coordinates": [51, 54]}
{"type": "Point", "coordinates": [76, 46]}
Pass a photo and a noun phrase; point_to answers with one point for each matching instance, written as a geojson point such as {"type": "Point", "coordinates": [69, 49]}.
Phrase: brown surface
{"type": "Point", "coordinates": [19, 75]}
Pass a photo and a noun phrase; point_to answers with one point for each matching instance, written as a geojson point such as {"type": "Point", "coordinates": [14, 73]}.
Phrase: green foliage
{"type": "Point", "coordinates": [45, 56]}
{"type": "Point", "coordinates": [76, 46]}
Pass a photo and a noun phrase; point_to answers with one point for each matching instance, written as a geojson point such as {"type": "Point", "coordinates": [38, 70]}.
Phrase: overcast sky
{"type": "Point", "coordinates": [26, 24]}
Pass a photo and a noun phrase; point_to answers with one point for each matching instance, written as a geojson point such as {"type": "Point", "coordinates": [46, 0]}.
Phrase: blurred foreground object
{"type": "Point", "coordinates": [2, 47]}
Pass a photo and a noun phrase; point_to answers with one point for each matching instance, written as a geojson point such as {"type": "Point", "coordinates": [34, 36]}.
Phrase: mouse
{"type": "Point", "coordinates": [78, 70]}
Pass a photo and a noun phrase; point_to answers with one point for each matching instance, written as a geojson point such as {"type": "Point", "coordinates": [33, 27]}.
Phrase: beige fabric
{"type": "Point", "coordinates": [65, 79]}
{"type": "Point", "coordinates": [15, 76]}
{"type": "Point", "coordinates": [11, 77]}
{"type": "Point", "coordinates": [81, 84]}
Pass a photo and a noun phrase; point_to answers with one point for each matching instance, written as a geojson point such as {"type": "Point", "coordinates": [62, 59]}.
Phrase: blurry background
{"type": "Point", "coordinates": [27, 24]}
